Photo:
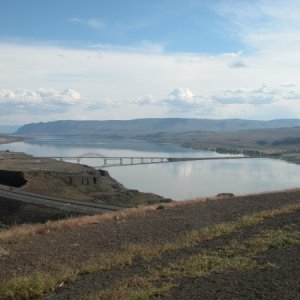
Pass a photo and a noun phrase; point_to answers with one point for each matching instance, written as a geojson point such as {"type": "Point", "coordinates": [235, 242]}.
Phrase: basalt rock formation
{"type": "Point", "coordinates": [66, 180]}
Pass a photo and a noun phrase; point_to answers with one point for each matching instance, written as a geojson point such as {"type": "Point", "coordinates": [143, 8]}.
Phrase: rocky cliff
{"type": "Point", "coordinates": [66, 180]}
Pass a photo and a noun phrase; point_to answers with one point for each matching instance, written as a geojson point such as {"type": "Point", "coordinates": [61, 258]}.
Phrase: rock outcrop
{"type": "Point", "coordinates": [66, 180]}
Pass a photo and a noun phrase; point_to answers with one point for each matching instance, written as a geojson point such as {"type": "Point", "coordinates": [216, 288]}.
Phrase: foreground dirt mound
{"type": "Point", "coordinates": [235, 248]}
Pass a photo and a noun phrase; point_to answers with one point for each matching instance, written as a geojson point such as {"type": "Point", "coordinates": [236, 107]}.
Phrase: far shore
{"type": "Point", "coordinates": [6, 139]}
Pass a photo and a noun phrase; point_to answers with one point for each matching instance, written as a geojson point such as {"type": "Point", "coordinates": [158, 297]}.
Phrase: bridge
{"type": "Point", "coordinates": [116, 161]}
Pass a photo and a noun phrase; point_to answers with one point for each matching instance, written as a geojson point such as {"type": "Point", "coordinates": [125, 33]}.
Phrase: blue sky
{"type": "Point", "coordinates": [181, 26]}
{"type": "Point", "coordinates": [163, 58]}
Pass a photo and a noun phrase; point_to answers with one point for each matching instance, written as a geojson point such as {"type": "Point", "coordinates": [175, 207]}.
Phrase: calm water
{"type": "Point", "coordinates": [180, 180]}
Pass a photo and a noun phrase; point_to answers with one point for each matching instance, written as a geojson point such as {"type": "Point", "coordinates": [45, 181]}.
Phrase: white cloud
{"type": "Point", "coordinates": [289, 85]}
{"type": "Point", "coordinates": [182, 100]}
{"type": "Point", "coordinates": [179, 100]}
{"type": "Point", "coordinates": [92, 23]}
{"type": "Point", "coordinates": [19, 97]}
{"type": "Point", "coordinates": [95, 24]}
{"type": "Point", "coordinates": [238, 64]}
{"type": "Point", "coordinates": [265, 25]}
{"type": "Point", "coordinates": [115, 82]}
{"type": "Point", "coordinates": [141, 47]}
{"type": "Point", "coordinates": [149, 46]}
{"type": "Point", "coordinates": [232, 54]}
{"type": "Point", "coordinates": [264, 101]}
{"type": "Point", "coordinates": [182, 94]}
{"type": "Point", "coordinates": [61, 55]}
{"type": "Point", "coordinates": [41, 100]}
{"type": "Point", "coordinates": [258, 96]}
{"type": "Point", "coordinates": [145, 100]}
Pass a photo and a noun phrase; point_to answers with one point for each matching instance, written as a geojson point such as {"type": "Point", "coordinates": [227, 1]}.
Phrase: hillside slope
{"type": "Point", "coordinates": [133, 128]}
{"type": "Point", "coordinates": [238, 248]}
{"type": "Point", "coordinates": [259, 139]}
{"type": "Point", "coordinates": [67, 180]}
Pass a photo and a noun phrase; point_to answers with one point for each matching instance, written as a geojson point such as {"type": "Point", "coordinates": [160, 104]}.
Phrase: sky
{"type": "Point", "coordinates": [114, 60]}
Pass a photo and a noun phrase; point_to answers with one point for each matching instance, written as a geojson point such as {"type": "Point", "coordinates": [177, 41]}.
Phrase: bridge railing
{"type": "Point", "coordinates": [109, 161]}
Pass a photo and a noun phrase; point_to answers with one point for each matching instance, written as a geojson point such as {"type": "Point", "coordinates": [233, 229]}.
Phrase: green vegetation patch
{"type": "Point", "coordinates": [27, 287]}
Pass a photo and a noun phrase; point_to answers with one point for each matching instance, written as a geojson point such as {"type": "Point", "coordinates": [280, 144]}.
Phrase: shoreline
{"type": "Point", "coordinates": [289, 155]}
{"type": "Point", "coordinates": [7, 139]}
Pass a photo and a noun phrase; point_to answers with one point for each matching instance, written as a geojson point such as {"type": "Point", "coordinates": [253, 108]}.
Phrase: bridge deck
{"type": "Point", "coordinates": [112, 161]}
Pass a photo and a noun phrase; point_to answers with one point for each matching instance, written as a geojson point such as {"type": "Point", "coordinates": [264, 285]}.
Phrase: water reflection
{"type": "Point", "coordinates": [180, 180]}
{"type": "Point", "coordinates": [205, 178]}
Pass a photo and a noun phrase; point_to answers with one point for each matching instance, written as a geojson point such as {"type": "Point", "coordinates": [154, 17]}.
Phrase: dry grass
{"type": "Point", "coordinates": [139, 288]}
{"type": "Point", "coordinates": [236, 256]}
{"type": "Point", "coordinates": [216, 198]}
{"type": "Point", "coordinates": [265, 241]}
{"type": "Point", "coordinates": [208, 233]}
{"type": "Point", "coordinates": [37, 284]}
{"type": "Point", "coordinates": [27, 287]}
{"type": "Point", "coordinates": [28, 230]}
{"type": "Point", "coordinates": [118, 259]}
{"type": "Point", "coordinates": [3, 252]}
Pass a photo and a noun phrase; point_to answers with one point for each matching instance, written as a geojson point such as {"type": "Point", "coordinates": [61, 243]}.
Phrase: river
{"type": "Point", "coordinates": [178, 180]}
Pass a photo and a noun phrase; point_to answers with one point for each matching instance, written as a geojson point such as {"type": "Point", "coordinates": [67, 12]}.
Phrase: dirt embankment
{"type": "Point", "coordinates": [64, 180]}
{"type": "Point", "coordinates": [236, 248]}
{"type": "Point", "coordinates": [91, 185]}
{"type": "Point", "coordinates": [13, 213]}
{"type": "Point", "coordinates": [68, 180]}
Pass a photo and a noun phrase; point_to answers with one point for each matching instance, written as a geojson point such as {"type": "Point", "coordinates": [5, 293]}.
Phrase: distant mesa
{"type": "Point", "coordinates": [129, 128]}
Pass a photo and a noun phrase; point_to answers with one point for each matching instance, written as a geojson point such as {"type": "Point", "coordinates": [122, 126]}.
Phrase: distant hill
{"type": "Point", "coordinates": [260, 139]}
{"type": "Point", "coordinates": [134, 128]}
